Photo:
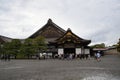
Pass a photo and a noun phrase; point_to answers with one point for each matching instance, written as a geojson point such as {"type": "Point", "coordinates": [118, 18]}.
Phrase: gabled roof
{"type": "Point", "coordinates": [70, 36]}
{"type": "Point", "coordinates": [1, 40]}
{"type": "Point", "coordinates": [5, 39]}
{"type": "Point", "coordinates": [100, 49]}
{"type": "Point", "coordinates": [50, 24]}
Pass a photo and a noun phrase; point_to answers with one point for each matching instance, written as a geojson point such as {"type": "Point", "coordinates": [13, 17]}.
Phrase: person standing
{"type": "Point", "coordinates": [98, 55]}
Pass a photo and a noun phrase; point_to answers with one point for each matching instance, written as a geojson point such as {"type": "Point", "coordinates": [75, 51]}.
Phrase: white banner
{"type": "Point", "coordinates": [60, 51]}
{"type": "Point", "coordinates": [87, 51]}
{"type": "Point", "coordinates": [78, 50]}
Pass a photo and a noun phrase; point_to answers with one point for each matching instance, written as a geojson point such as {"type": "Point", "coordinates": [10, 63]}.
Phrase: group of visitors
{"type": "Point", "coordinates": [5, 57]}
{"type": "Point", "coordinates": [80, 56]}
{"type": "Point", "coordinates": [68, 56]}
{"type": "Point", "coordinates": [71, 56]}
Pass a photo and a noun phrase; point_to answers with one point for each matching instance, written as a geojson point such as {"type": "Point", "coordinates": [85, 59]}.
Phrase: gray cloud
{"type": "Point", "coordinates": [97, 20]}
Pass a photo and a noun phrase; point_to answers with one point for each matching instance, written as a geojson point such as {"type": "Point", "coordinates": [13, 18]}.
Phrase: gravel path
{"type": "Point", "coordinates": [107, 69]}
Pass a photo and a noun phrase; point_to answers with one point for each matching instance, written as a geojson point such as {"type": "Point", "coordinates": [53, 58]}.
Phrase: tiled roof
{"type": "Point", "coordinates": [49, 23]}
{"type": "Point", "coordinates": [5, 39]}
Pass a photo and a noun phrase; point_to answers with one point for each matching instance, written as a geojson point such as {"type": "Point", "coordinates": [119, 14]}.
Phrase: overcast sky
{"type": "Point", "coordinates": [97, 20]}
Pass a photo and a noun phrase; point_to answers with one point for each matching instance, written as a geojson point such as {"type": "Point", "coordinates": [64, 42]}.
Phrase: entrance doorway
{"type": "Point", "coordinates": [68, 51]}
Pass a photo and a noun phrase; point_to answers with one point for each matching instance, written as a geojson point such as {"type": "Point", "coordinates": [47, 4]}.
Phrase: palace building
{"type": "Point", "coordinates": [60, 41]}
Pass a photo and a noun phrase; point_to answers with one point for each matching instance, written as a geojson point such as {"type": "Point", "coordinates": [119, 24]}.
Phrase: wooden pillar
{"type": "Point", "coordinates": [82, 50]}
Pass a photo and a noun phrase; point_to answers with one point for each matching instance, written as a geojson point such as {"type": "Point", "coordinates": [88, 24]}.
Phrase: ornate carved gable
{"type": "Point", "coordinates": [49, 31]}
{"type": "Point", "coordinates": [70, 37]}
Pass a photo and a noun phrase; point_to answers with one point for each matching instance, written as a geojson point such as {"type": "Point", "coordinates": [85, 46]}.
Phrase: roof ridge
{"type": "Point", "coordinates": [49, 22]}
{"type": "Point", "coordinates": [58, 27]}
{"type": "Point", "coordinates": [1, 36]}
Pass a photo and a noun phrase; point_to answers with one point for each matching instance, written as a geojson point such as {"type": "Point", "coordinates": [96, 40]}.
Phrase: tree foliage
{"type": "Point", "coordinates": [1, 48]}
{"type": "Point", "coordinates": [33, 46]}
{"type": "Point", "coordinates": [16, 45]}
{"type": "Point", "coordinates": [27, 48]}
{"type": "Point", "coordinates": [7, 48]}
{"type": "Point", "coordinates": [12, 48]}
{"type": "Point", "coordinates": [39, 44]}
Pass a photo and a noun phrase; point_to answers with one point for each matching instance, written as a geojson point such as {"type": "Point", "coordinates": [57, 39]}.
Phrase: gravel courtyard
{"type": "Point", "coordinates": [107, 69]}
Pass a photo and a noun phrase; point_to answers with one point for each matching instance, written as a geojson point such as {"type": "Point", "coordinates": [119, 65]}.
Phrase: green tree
{"type": "Point", "coordinates": [15, 44]}
{"type": "Point", "coordinates": [1, 49]}
{"type": "Point", "coordinates": [12, 48]}
{"type": "Point", "coordinates": [7, 48]}
{"type": "Point", "coordinates": [33, 46]}
{"type": "Point", "coordinates": [39, 44]}
{"type": "Point", "coordinates": [27, 48]}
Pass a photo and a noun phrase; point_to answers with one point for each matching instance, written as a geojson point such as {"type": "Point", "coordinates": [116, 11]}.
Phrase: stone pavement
{"type": "Point", "coordinates": [107, 69]}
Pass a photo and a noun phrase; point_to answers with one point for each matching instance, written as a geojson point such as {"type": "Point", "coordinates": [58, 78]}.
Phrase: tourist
{"type": "Point", "coordinates": [98, 55]}
{"type": "Point", "coordinates": [70, 56]}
